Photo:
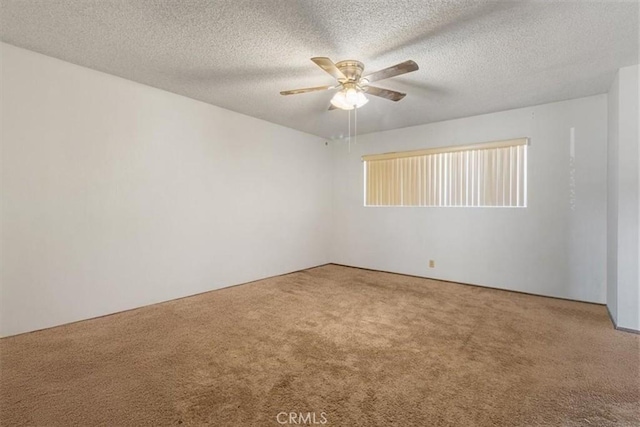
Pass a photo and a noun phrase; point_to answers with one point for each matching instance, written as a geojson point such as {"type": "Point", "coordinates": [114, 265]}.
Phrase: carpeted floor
{"type": "Point", "coordinates": [353, 347]}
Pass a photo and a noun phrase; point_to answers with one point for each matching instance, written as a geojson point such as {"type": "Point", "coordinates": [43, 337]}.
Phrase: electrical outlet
{"type": "Point", "coordinates": [432, 264]}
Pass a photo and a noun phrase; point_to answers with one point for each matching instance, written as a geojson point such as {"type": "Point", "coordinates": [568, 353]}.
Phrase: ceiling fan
{"type": "Point", "coordinates": [353, 85]}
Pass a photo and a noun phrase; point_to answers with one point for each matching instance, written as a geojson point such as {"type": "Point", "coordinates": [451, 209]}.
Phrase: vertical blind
{"type": "Point", "coordinates": [487, 174]}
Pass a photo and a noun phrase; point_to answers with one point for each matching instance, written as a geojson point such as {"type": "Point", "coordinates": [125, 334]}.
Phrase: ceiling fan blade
{"type": "Point", "coordinates": [332, 107]}
{"type": "Point", "coordinates": [327, 65]}
{"type": "Point", "coordinates": [391, 95]}
{"type": "Point", "coordinates": [305, 90]}
{"type": "Point", "coordinates": [396, 70]}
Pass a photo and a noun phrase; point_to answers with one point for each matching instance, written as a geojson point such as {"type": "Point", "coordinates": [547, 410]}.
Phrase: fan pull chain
{"type": "Point", "coordinates": [349, 138]}
{"type": "Point", "coordinates": [355, 125]}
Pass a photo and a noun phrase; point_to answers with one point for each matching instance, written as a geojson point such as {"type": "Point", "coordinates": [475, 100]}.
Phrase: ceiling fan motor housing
{"type": "Point", "coordinates": [351, 69]}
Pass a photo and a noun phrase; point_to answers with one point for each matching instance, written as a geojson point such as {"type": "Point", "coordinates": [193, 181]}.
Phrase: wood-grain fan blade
{"type": "Point", "coordinates": [327, 65]}
{"type": "Point", "coordinates": [396, 70]}
{"type": "Point", "coordinates": [309, 89]}
{"type": "Point", "coordinates": [391, 95]}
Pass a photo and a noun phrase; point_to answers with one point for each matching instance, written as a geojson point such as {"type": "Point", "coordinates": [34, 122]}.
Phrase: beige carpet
{"type": "Point", "coordinates": [364, 348]}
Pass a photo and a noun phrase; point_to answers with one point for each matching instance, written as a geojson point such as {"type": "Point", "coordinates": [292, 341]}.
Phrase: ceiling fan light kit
{"type": "Point", "coordinates": [349, 98]}
{"type": "Point", "coordinates": [353, 86]}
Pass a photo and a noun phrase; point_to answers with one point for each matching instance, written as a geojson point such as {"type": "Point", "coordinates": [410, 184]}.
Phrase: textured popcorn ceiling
{"type": "Point", "coordinates": [474, 56]}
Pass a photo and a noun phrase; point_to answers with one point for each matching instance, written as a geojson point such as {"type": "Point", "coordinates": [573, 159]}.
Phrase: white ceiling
{"type": "Point", "coordinates": [474, 56]}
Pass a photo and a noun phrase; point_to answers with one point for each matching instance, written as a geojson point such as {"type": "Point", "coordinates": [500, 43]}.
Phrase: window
{"type": "Point", "coordinates": [487, 174]}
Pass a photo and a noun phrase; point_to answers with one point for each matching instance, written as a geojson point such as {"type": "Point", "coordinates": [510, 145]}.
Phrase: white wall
{"type": "Point", "coordinates": [547, 248]}
{"type": "Point", "coordinates": [623, 288]}
{"type": "Point", "coordinates": [117, 195]}
{"type": "Point", "coordinates": [613, 101]}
